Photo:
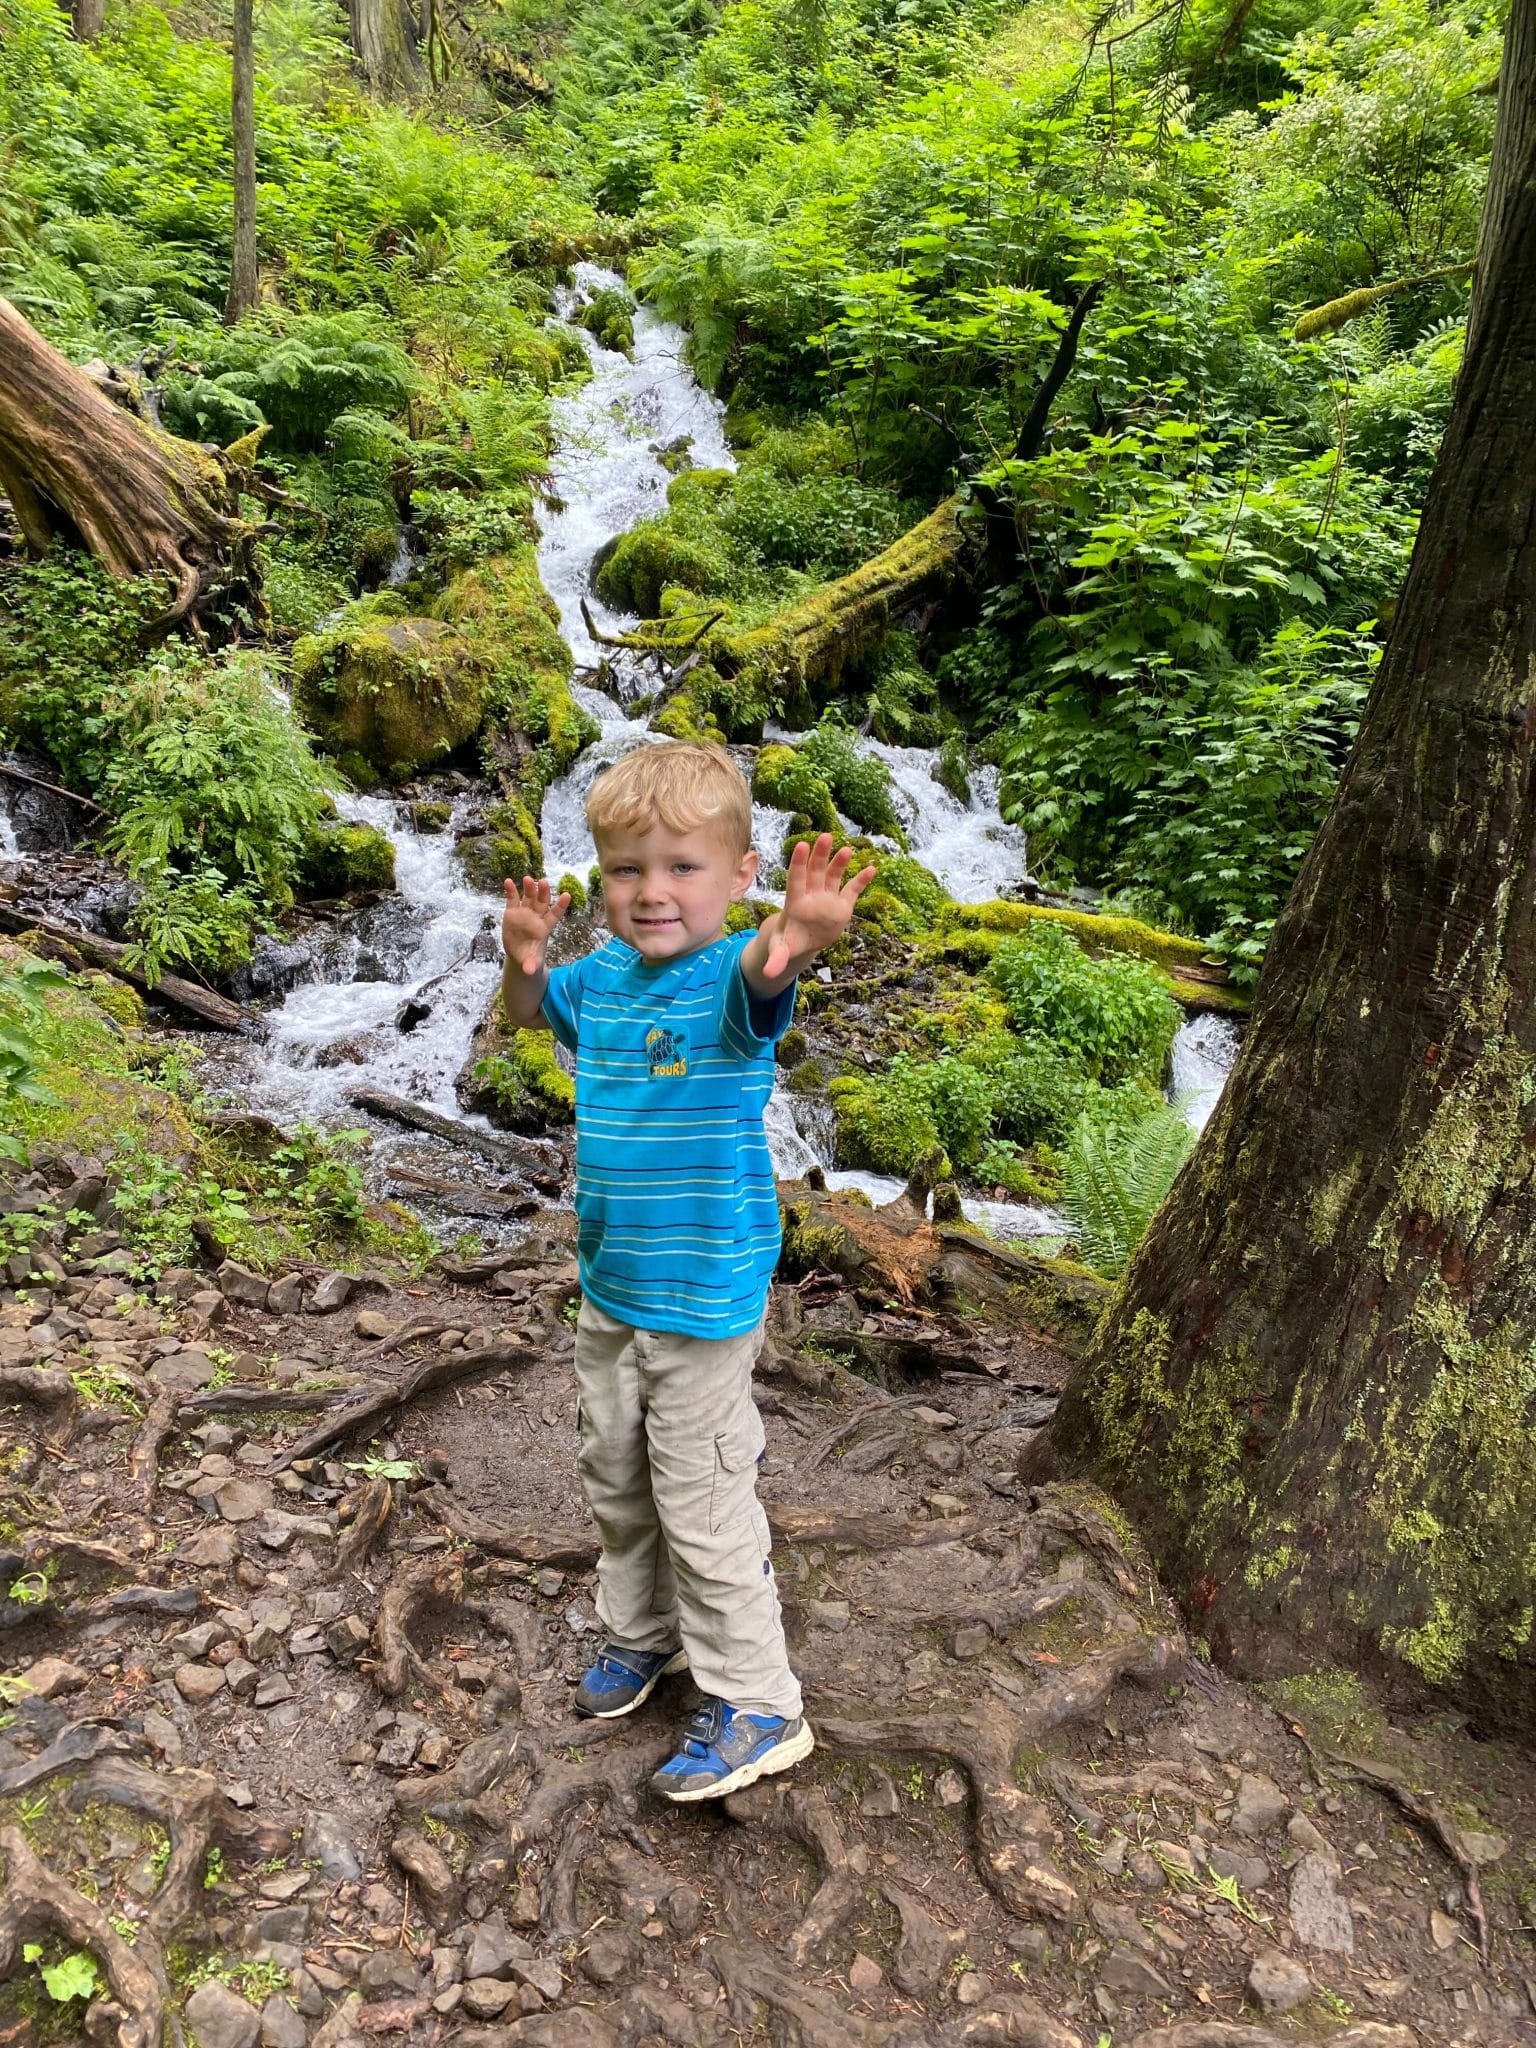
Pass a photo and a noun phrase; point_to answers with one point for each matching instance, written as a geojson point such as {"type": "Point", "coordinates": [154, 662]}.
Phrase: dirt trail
{"type": "Point", "coordinates": [342, 1698]}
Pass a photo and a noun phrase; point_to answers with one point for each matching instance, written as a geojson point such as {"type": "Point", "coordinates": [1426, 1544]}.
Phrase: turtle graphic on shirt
{"type": "Point", "coordinates": [666, 1051]}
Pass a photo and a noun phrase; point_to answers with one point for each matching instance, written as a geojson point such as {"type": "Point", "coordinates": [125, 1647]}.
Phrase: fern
{"type": "Point", "coordinates": [1114, 1179]}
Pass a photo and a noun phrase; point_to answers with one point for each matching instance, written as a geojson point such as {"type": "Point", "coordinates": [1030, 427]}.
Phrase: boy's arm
{"type": "Point", "coordinates": [527, 925]}
{"type": "Point", "coordinates": [819, 896]}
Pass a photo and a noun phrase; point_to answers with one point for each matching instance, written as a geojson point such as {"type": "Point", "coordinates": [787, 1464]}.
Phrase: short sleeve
{"type": "Point", "coordinates": [750, 1025]}
{"type": "Point", "coordinates": [562, 1000]}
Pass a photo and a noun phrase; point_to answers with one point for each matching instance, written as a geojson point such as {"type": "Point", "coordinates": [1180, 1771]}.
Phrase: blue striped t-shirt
{"type": "Point", "coordinates": [677, 1219]}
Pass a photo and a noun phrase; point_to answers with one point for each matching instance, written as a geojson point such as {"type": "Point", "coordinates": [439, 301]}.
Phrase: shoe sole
{"type": "Point", "coordinates": [679, 1662]}
{"type": "Point", "coordinates": [783, 1754]}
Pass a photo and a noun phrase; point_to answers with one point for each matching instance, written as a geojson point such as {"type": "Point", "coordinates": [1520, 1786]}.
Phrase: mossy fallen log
{"type": "Point", "coordinates": [1199, 982]}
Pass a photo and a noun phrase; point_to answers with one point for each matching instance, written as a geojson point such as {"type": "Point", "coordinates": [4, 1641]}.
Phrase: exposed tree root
{"type": "Point", "coordinates": [439, 1371]}
{"type": "Point", "coordinates": [924, 1951]}
{"type": "Point", "coordinates": [154, 1433]}
{"type": "Point", "coordinates": [528, 1542]}
{"type": "Point", "coordinates": [35, 1903]}
{"type": "Point", "coordinates": [433, 1883]}
{"type": "Point", "coordinates": [375, 1503]}
{"type": "Point", "coordinates": [415, 1591]}
{"type": "Point", "coordinates": [1011, 1829]}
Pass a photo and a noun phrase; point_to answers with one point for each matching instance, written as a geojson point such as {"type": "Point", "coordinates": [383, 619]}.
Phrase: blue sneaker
{"type": "Point", "coordinates": [622, 1680]}
{"type": "Point", "coordinates": [725, 1749]}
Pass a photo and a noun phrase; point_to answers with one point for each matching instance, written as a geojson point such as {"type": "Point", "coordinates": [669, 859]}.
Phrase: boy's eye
{"type": "Point", "coordinates": [684, 867]}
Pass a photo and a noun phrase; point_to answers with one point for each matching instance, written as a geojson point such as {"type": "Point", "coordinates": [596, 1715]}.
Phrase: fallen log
{"type": "Point", "coordinates": [213, 1009]}
{"type": "Point", "coordinates": [453, 1130]}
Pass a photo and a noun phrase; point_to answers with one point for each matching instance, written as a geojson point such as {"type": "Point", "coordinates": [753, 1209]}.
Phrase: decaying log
{"type": "Point", "coordinates": [201, 1003]}
{"type": "Point", "coordinates": [439, 1371]}
{"type": "Point", "coordinates": [504, 1151]}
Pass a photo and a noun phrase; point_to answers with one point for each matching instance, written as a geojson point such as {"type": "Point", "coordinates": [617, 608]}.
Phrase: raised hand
{"type": "Point", "coordinates": [819, 896]}
{"type": "Point", "coordinates": [528, 923]}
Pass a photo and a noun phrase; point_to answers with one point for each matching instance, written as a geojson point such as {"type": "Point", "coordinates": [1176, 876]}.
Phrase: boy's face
{"type": "Point", "coordinates": [667, 892]}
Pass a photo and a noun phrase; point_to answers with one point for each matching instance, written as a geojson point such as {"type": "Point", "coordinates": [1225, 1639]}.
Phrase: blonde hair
{"type": "Point", "coordinates": [676, 784]}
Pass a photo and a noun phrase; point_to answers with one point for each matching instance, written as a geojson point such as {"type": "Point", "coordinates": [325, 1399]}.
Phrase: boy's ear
{"type": "Point", "coordinates": [746, 875]}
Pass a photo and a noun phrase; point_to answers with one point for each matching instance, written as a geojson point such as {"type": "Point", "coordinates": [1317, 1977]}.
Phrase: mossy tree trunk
{"type": "Point", "coordinates": [76, 466]}
{"type": "Point", "coordinates": [86, 18]}
{"type": "Point", "coordinates": [242, 272]}
{"type": "Point", "coordinates": [1316, 1389]}
{"type": "Point", "coordinates": [384, 43]}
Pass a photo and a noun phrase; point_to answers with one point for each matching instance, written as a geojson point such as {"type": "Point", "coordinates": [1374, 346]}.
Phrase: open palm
{"type": "Point", "coordinates": [819, 896]}
{"type": "Point", "coordinates": [528, 922]}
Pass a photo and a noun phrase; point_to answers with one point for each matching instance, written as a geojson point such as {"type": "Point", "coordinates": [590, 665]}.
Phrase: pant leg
{"type": "Point", "coordinates": [636, 1591]}
{"type": "Point", "coordinates": [704, 1436]}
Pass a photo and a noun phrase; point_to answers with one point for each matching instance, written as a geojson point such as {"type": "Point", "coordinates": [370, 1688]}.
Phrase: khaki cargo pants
{"type": "Point", "coordinates": [669, 1447]}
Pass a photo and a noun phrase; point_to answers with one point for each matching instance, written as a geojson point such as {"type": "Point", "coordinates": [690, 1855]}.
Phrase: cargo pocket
{"type": "Point", "coordinates": [737, 1451]}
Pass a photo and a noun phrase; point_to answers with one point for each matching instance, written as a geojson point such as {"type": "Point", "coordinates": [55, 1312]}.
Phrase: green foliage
{"type": "Point", "coordinates": [298, 380]}
{"type": "Point", "coordinates": [1114, 1178]}
{"type": "Point", "coordinates": [1114, 1015]}
{"type": "Point", "coordinates": [609, 315]}
{"type": "Point", "coordinates": [73, 1976]}
{"type": "Point", "coordinates": [24, 981]}
{"type": "Point", "coordinates": [860, 783]}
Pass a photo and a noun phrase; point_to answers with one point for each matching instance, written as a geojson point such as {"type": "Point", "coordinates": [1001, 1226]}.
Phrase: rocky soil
{"type": "Point", "coordinates": [298, 1583]}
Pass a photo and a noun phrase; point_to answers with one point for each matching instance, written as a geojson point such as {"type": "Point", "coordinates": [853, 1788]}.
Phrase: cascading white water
{"type": "Point", "coordinates": [430, 942]}
{"type": "Point", "coordinates": [1202, 1057]}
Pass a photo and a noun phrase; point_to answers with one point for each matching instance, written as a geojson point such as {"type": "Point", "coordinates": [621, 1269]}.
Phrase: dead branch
{"type": "Point", "coordinates": [154, 1432]}
{"type": "Point", "coordinates": [504, 1151]}
{"type": "Point", "coordinates": [185, 995]}
{"type": "Point", "coordinates": [375, 1503]}
{"type": "Point", "coordinates": [433, 1883]}
{"type": "Point", "coordinates": [53, 788]}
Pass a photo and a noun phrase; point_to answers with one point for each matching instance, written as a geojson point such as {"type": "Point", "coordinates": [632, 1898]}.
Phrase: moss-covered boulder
{"type": "Point", "coordinates": [609, 317]}
{"type": "Point", "coordinates": [345, 860]}
{"type": "Point", "coordinates": [515, 1079]}
{"type": "Point", "coordinates": [683, 550]}
{"type": "Point", "coordinates": [400, 693]}
{"type": "Point", "coordinates": [972, 932]}
{"type": "Point", "coordinates": [783, 779]}
{"type": "Point", "coordinates": [508, 850]}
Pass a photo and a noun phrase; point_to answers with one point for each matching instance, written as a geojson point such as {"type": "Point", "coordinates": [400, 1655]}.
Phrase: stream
{"type": "Point", "coordinates": [433, 939]}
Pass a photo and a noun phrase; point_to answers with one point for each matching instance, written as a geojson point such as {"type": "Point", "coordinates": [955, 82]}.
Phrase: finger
{"type": "Point", "coordinates": [838, 866]}
{"type": "Point", "coordinates": [794, 879]}
{"type": "Point", "coordinates": [514, 893]}
{"type": "Point", "coordinates": [821, 853]}
{"type": "Point", "coordinates": [561, 904]}
{"type": "Point", "coordinates": [852, 890]}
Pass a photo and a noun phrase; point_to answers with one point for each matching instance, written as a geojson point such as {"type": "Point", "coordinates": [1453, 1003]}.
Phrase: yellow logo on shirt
{"type": "Point", "coordinates": [666, 1052]}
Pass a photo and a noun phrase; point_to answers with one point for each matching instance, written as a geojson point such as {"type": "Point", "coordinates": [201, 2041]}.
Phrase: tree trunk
{"type": "Point", "coordinates": [75, 465]}
{"type": "Point", "coordinates": [384, 43]}
{"type": "Point", "coordinates": [1316, 1389]}
{"type": "Point", "coordinates": [86, 17]}
{"type": "Point", "coordinates": [242, 274]}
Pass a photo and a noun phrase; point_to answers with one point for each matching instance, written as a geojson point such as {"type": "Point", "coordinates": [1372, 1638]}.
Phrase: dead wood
{"type": "Point", "coordinates": [433, 1884]}
{"type": "Point", "coordinates": [924, 1950]}
{"type": "Point", "coordinates": [53, 788]}
{"type": "Point", "coordinates": [529, 1542]}
{"type": "Point", "coordinates": [415, 1591]}
{"type": "Point", "coordinates": [74, 1745]}
{"type": "Point", "coordinates": [479, 1768]}
{"type": "Point", "coordinates": [36, 1903]}
{"type": "Point", "coordinates": [201, 1003]}
{"type": "Point", "coordinates": [374, 1504]}
{"type": "Point", "coordinates": [460, 1198]}
{"type": "Point", "coordinates": [154, 1432]}
{"type": "Point", "coordinates": [807, 1816]}
{"type": "Point", "coordinates": [252, 1398]}
{"type": "Point", "coordinates": [192, 1808]}
{"type": "Point", "coordinates": [440, 1371]}
{"type": "Point", "coordinates": [902, 1359]}
{"type": "Point", "coordinates": [505, 1151]}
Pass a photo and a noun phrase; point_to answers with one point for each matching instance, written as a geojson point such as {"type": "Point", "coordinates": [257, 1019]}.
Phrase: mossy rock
{"type": "Point", "coordinates": [609, 317]}
{"type": "Point", "coordinates": [431, 818]}
{"type": "Point", "coordinates": [785, 781]}
{"type": "Point", "coordinates": [974, 930]}
{"type": "Point", "coordinates": [880, 1128]}
{"type": "Point", "coordinates": [345, 860]}
{"type": "Point", "coordinates": [509, 850]}
{"type": "Point", "coordinates": [654, 557]}
{"type": "Point", "coordinates": [119, 999]}
{"type": "Point", "coordinates": [400, 693]}
{"type": "Point", "coordinates": [507, 615]}
{"type": "Point", "coordinates": [515, 1078]}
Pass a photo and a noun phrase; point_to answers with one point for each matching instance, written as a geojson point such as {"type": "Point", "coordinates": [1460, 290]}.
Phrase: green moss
{"type": "Point", "coordinates": [1183, 960]}
{"type": "Point", "coordinates": [575, 888]}
{"type": "Point", "coordinates": [879, 1127]}
{"type": "Point", "coordinates": [344, 860]}
{"type": "Point", "coordinates": [663, 554]}
{"type": "Point", "coordinates": [792, 1048]}
{"type": "Point", "coordinates": [119, 1000]}
{"type": "Point", "coordinates": [509, 850]}
{"type": "Point", "coordinates": [536, 1066]}
{"type": "Point", "coordinates": [399, 692]}
{"type": "Point", "coordinates": [431, 818]}
{"type": "Point", "coordinates": [785, 780]}
{"type": "Point", "coordinates": [609, 316]}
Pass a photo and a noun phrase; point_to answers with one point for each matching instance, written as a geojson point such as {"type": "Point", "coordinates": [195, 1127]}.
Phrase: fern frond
{"type": "Point", "coordinates": [1114, 1180]}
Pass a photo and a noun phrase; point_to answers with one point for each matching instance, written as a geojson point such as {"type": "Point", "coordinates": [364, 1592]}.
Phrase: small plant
{"type": "Point", "coordinates": [74, 1976]}
{"type": "Point", "coordinates": [30, 1590]}
{"type": "Point", "coordinates": [914, 1783]}
{"type": "Point", "coordinates": [213, 1869]}
{"type": "Point", "coordinates": [1114, 1180]}
{"type": "Point", "coordinates": [1331, 2002]}
{"type": "Point", "coordinates": [385, 1468]}
{"type": "Point", "coordinates": [23, 1017]}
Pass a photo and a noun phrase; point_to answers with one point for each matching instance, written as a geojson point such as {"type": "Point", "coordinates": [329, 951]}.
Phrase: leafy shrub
{"type": "Point", "coordinates": [298, 380]}
{"type": "Point", "coordinates": [24, 981]}
{"type": "Point", "coordinates": [831, 523]}
{"type": "Point", "coordinates": [860, 783]}
{"type": "Point", "coordinates": [786, 780]}
{"type": "Point", "coordinates": [1115, 1015]}
{"type": "Point", "coordinates": [1114, 1179]}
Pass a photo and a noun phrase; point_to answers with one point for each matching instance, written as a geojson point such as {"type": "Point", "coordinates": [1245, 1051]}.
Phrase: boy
{"type": "Point", "coordinates": [673, 1026]}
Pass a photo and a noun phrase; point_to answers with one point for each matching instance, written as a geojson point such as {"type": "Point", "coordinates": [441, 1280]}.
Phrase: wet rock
{"type": "Point", "coordinates": [186, 1371]}
{"type": "Point", "coordinates": [487, 1998]}
{"type": "Point", "coordinates": [373, 1323]}
{"type": "Point", "coordinates": [1251, 1872]}
{"type": "Point", "coordinates": [386, 1970]}
{"type": "Point", "coordinates": [239, 1284]}
{"type": "Point", "coordinates": [331, 1292]}
{"type": "Point", "coordinates": [949, 1788]}
{"type": "Point", "coordinates": [493, 1949]}
{"type": "Point", "coordinates": [197, 1683]}
{"type": "Point", "coordinates": [970, 1641]}
{"type": "Point", "coordinates": [1133, 1976]}
{"type": "Point", "coordinates": [609, 1957]}
{"type": "Point", "coordinates": [327, 1842]}
{"type": "Point", "coordinates": [1319, 1911]}
{"type": "Point", "coordinates": [1261, 1805]}
{"type": "Point", "coordinates": [543, 1974]}
{"type": "Point", "coordinates": [272, 1691]}
{"type": "Point", "coordinates": [1146, 1870]}
{"type": "Point", "coordinates": [241, 1678]}
{"type": "Point", "coordinates": [347, 1638]}
{"type": "Point", "coordinates": [285, 1297]}
{"type": "Point", "coordinates": [242, 1500]}
{"type": "Point", "coordinates": [864, 1975]}
{"type": "Point", "coordinates": [281, 2025]}
{"type": "Point", "coordinates": [52, 1678]}
{"type": "Point", "coordinates": [283, 1923]}
{"type": "Point", "coordinates": [880, 1800]}
{"type": "Point", "coordinates": [1278, 1982]}
{"type": "Point", "coordinates": [221, 2018]}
